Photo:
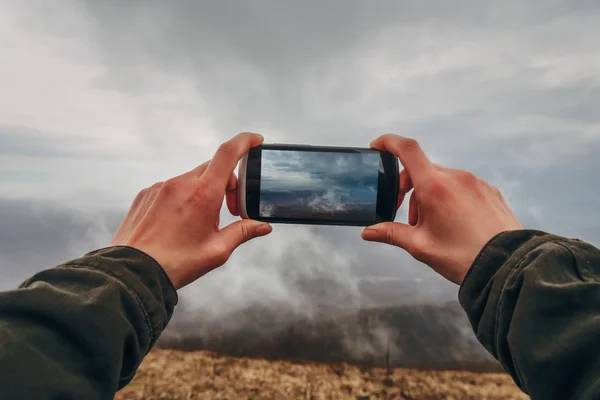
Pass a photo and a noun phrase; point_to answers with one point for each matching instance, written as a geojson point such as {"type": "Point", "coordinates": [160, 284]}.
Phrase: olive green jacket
{"type": "Point", "coordinates": [533, 300]}
{"type": "Point", "coordinates": [80, 330]}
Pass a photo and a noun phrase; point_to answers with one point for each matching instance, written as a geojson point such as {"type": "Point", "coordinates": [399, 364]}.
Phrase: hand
{"type": "Point", "coordinates": [177, 222]}
{"type": "Point", "coordinates": [452, 214]}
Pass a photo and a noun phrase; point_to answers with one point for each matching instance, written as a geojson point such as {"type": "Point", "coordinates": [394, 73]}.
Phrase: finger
{"type": "Point", "coordinates": [394, 233]}
{"type": "Point", "coordinates": [149, 195]}
{"type": "Point", "coordinates": [413, 210]}
{"type": "Point", "coordinates": [231, 196]}
{"type": "Point", "coordinates": [138, 199]}
{"type": "Point", "coordinates": [441, 168]}
{"type": "Point", "coordinates": [411, 156]}
{"type": "Point", "coordinates": [241, 231]}
{"type": "Point", "coordinates": [152, 193]}
{"type": "Point", "coordinates": [400, 200]}
{"type": "Point", "coordinates": [405, 186]}
{"type": "Point", "coordinates": [135, 206]}
{"type": "Point", "coordinates": [405, 182]}
{"type": "Point", "coordinates": [228, 155]}
{"type": "Point", "coordinates": [196, 172]}
{"type": "Point", "coordinates": [498, 192]}
{"type": "Point", "coordinates": [488, 189]}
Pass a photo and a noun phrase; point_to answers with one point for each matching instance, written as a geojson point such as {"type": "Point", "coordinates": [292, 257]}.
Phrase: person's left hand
{"type": "Point", "coordinates": [177, 222]}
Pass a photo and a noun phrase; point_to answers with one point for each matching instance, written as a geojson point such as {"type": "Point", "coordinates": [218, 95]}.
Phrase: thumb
{"type": "Point", "coordinates": [241, 231]}
{"type": "Point", "coordinates": [394, 233]}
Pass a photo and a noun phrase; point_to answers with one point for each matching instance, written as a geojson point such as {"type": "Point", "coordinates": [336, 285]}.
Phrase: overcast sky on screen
{"type": "Point", "coordinates": [319, 182]}
{"type": "Point", "coordinates": [99, 99]}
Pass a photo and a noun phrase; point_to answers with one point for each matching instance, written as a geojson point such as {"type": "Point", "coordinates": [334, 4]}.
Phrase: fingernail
{"type": "Point", "coordinates": [369, 234]}
{"type": "Point", "coordinates": [260, 136]}
{"type": "Point", "coordinates": [264, 229]}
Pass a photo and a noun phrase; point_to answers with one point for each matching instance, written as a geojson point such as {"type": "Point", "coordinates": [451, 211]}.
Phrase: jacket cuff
{"type": "Point", "coordinates": [143, 277]}
{"type": "Point", "coordinates": [480, 292]}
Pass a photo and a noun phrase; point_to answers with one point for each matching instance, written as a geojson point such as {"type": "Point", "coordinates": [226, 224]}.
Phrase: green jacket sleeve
{"type": "Point", "coordinates": [533, 300]}
{"type": "Point", "coordinates": [81, 329]}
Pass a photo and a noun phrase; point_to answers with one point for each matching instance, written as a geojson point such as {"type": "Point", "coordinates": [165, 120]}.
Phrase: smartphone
{"type": "Point", "coordinates": [318, 185]}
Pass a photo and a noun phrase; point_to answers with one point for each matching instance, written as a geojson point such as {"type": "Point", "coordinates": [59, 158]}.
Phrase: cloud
{"type": "Point", "coordinates": [396, 63]}
{"type": "Point", "coordinates": [304, 184]}
{"type": "Point", "coordinates": [141, 91]}
{"type": "Point", "coordinates": [38, 235]}
{"type": "Point", "coordinates": [101, 99]}
{"type": "Point", "coordinates": [285, 265]}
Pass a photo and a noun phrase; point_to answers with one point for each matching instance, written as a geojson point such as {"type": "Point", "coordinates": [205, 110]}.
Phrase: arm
{"type": "Point", "coordinates": [80, 330]}
{"type": "Point", "coordinates": [533, 300]}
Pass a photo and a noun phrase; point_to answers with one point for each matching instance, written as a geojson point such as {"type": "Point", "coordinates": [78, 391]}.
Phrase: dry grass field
{"type": "Point", "coordinates": [178, 375]}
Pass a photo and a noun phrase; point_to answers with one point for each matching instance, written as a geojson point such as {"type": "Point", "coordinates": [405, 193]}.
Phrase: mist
{"type": "Point", "coordinates": [292, 290]}
{"type": "Point", "coordinates": [102, 99]}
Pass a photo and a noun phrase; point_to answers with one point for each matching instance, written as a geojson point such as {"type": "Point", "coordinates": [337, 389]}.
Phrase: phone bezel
{"type": "Point", "coordinates": [387, 190]}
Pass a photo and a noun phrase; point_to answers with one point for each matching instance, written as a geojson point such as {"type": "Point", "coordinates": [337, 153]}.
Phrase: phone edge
{"type": "Point", "coordinates": [242, 183]}
{"type": "Point", "coordinates": [241, 189]}
{"type": "Point", "coordinates": [396, 186]}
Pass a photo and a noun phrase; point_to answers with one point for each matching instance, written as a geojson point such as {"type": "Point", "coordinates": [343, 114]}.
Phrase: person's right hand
{"type": "Point", "coordinates": [452, 213]}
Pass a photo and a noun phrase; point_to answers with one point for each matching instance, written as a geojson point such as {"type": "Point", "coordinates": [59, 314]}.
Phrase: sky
{"type": "Point", "coordinates": [327, 184]}
{"type": "Point", "coordinates": [99, 99]}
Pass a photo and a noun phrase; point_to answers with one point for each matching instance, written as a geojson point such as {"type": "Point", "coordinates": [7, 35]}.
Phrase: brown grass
{"type": "Point", "coordinates": [169, 374]}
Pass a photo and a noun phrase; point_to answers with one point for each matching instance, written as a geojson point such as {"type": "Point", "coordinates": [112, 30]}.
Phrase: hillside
{"type": "Point", "coordinates": [177, 375]}
{"type": "Point", "coordinates": [435, 336]}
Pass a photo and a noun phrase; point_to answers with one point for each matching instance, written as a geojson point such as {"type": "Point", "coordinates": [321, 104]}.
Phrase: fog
{"type": "Point", "coordinates": [305, 282]}
{"type": "Point", "coordinates": [101, 99]}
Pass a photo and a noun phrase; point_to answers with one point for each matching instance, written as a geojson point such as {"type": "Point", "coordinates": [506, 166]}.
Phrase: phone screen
{"type": "Point", "coordinates": [321, 185]}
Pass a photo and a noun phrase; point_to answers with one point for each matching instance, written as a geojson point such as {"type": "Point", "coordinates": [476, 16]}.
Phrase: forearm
{"type": "Point", "coordinates": [533, 301]}
{"type": "Point", "coordinates": [80, 330]}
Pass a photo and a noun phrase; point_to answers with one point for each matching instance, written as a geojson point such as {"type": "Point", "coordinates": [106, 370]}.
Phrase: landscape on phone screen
{"type": "Point", "coordinates": [318, 185]}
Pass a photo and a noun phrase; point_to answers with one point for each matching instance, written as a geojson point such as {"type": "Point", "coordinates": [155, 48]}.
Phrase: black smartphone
{"type": "Point", "coordinates": [318, 185]}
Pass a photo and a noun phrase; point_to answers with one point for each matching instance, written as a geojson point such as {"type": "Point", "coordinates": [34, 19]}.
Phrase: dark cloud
{"type": "Point", "coordinates": [26, 142]}
{"type": "Point", "coordinates": [260, 64]}
{"type": "Point", "coordinates": [37, 235]}
{"type": "Point", "coordinates": [508, 89]}
{"type": "Point", "coordinates": [483, 86]}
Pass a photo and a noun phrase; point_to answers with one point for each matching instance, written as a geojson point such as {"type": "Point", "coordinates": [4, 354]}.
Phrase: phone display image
{"type": "Point", "coordinates": [319, 185]}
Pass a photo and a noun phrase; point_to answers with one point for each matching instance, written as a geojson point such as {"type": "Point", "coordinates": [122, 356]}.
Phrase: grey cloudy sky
{"type": "Point", "coordinates": [99, 99]}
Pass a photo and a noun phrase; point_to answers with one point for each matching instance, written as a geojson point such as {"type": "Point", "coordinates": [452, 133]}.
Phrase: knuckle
{"type": "Point", "coordinates": [245, 233]}
{"type": "Point", "coordinates": [140, 196]}
{"type": "Point", "coordinates": [169, 186]}
{"type": "Point", "coordinates": [389, 235]}
{"type": "Point", "coordinates": [468, 178]}
{"type": "Point", "coordinates": [388, 137]}
{"type": "Point", "coordinates": [203, 192]}
{"type": "Point", "coordinates": [244, 135]}
{"type": "Point", "coordinates": [157, 186]}
{"type": "Point", "coordinates": [388, 140]}
{"type": "Point", "coordinates": [207, 187]}
{"type": "Point", "coordinates": [497, 191]}
{"type": "Point", "coordinates": [409, 144]}
{"type": "Point", "coordinates": [436, 187]}
{"type": "Point", "coordinates": [226, 148]}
